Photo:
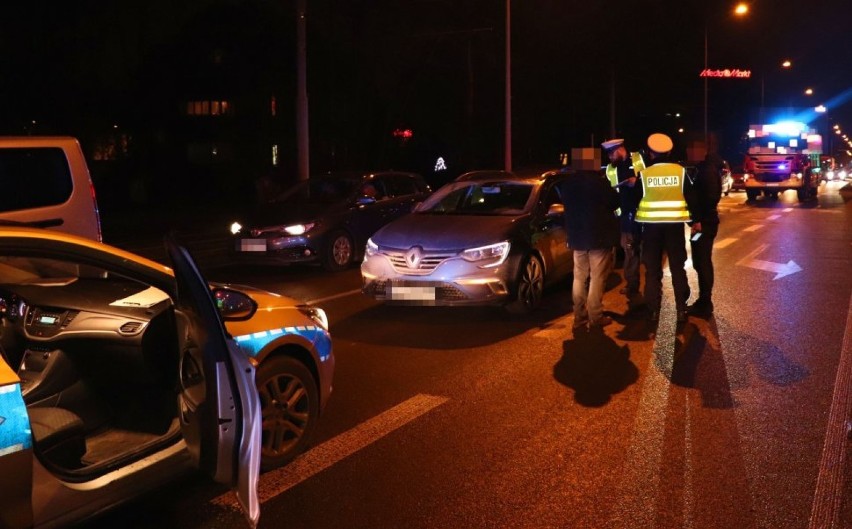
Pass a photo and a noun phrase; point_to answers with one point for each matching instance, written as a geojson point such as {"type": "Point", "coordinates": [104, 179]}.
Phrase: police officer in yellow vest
{"type": "Point", "coordinates": [663, 213]}
{"type": "Point", "coordinates": [621, 173]}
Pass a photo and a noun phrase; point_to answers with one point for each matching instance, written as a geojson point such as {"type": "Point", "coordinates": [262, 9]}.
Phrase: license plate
{"type": "Point", "coordinates": [412, 293]}
{"type": "Point", "coordinates": [251, 245]}
{"type": "Point", "coordinates": [772, 184]}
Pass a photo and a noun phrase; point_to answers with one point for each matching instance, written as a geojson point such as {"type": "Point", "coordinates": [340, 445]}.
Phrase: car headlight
{"type": "Point", "coordinates": [236, 227]}
{"type": "Point", "coordinates": [372, 248]}
{"type": "Point", "coordinates": [315, 313]}
{"type": "Point", "coordinates": [830, 174]}
{"type": "Point", "coordinates": [842, 174]}
{"type": "Point", "coordinates": [488, 256]}
{"type": "Point", "coordinates": [299, 229]}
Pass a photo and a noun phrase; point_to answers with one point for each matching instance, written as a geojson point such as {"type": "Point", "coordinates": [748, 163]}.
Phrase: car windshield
{"type": "Point", "coordinates": [319, 191]}
{"type": "Point", "coordinates": [480, 198]}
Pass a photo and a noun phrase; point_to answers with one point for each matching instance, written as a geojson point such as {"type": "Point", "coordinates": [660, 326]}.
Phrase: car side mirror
{"type": "Point", "coordinates": [365, 200]}
{"type": "Point", "coordinates": [233, 305]}
{"type": "Point", "coordinates": [555, 210]}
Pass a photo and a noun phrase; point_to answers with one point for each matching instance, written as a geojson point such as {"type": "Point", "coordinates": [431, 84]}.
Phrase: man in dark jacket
{"type": "Point", "coordinates": [706, 190]}
{"type": "Point", "coordinates": [590, 203]}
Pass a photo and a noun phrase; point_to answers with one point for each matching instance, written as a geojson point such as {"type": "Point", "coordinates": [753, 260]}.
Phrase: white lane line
{"type": "Point", "coordinates": [725, 242]}
{"type": "Point", "coordinates": [754, 227]}
{"type": "Point", "coordinates": [787, 210]}
{"type": "Point", "coordinates": [828, 495]}
{"type": "Point", "coordinates": [640, 473]}
{"type": "Point", "coordinates": [336, 449]}
{"type": "Point", "coordinates": [334, 296]}
{"type": "Point", "coordinates": [773, 217]}
{"type": "Point", "coordinates": [688, 471]}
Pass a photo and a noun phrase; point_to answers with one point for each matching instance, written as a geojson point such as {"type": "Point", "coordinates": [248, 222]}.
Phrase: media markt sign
{"type": "Point", "coordinates": [729, 73]}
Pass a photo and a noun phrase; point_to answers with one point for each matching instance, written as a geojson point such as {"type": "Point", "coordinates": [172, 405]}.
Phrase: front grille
{"type": "Point", "coordinates": [429, 261]}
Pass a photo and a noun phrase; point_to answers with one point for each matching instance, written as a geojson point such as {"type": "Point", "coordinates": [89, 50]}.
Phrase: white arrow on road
{"type": "Point", "coordinates": [779, 269]}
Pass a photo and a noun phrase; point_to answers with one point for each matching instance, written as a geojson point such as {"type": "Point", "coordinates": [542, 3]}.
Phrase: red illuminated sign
{"type": "Point", "coordinates": [403, 133]}
{"type": "Point", "coordinates": [729, 73]}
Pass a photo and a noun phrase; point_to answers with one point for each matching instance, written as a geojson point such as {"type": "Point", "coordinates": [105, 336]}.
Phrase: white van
{"type": "Point", "coordinates": [45, 182]}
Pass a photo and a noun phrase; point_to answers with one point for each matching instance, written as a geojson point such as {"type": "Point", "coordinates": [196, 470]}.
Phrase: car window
{"type": "Point", "coordinates": [551, 196]}
{"type": "Point", "coordinates": [480, 198]}
{"type": "Point", "coordinates": [400, 185]}
{"type": "Point", "coordinates": [374, 188]}
{"type": "Point", "coordinates": [318, 191]}
{"type": "Point", "coordinates": [34, 177]}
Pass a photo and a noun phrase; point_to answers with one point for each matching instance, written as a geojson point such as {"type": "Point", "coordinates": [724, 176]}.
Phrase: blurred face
{"type": "Point", "coordinates": [618, 154]}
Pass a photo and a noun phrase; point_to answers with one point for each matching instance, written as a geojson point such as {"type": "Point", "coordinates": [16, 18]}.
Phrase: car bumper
{"type": "Point", "coordinates": [789, 183]}
{"type": "Point", "coordinates": [453, 282]}
{"type": "Point", "coordinates": [283, 250]}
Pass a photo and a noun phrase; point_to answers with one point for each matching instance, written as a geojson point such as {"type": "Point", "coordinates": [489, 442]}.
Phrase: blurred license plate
{"type": "Point", "coordinates": [412, 293]}
{"type": "Point", "coordinates": [772, 184]}
{"type": "Point", "coordinates": [252, 245]}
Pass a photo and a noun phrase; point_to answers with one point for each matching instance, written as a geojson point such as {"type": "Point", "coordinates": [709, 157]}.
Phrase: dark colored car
{"type": "Point", "coordinates": [489, 237]}
{"type": "Point", "coordinates": [326, 219]}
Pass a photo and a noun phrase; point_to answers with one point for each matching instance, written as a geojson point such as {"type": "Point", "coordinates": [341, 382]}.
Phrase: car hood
{"type": "Point", "coordinates": [285, 214]}
{"type": "Point", "coordinates": [446, 232]}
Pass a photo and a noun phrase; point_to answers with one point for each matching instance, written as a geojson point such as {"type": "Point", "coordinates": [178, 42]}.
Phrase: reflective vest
{"type": "Point", "coordinates": [662, 197]}
{"type": "Point", "coordinates": [612, 172]}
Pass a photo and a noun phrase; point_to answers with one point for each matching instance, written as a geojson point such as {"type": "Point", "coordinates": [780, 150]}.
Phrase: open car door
{"type": "Point", "coordinates": [219, 403]}
{"type": "Point", "coordinates": [16, 453]}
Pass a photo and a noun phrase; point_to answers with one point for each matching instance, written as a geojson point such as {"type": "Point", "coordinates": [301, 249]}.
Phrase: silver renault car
{"type": "Point", "coordinates": [488, 238]}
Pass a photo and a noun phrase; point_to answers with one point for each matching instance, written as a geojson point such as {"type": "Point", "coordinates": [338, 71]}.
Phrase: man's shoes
{"type": "Point", "coordinates": [603, 321]}
{"type": "Point", "coordinates": [580, 325]}
{"type": "Point", "coordinates": [701, 309]}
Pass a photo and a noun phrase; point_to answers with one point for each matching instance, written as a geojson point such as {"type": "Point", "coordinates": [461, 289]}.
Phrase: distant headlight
{"type": "Point", "coordinates": [315, 313]}
{"type": "Point", "coordinates": [299, 229]}
{"type": "Point", "coordinates": [798, 175]}
{"type": "Point", "coordinates": [829, 174]}
{"type": "Point", "coordinates": [372, 248]}
{"type": "Point", "coordinates": [491, 255]}
{"type": "Point", "coordinates": [842, 174]}
{"type": "Point", "coordinates": [236, 227]}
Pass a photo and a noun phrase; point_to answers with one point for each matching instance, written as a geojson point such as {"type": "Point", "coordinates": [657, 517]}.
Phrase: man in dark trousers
{"type": "Point", "coordinates": [705, 193]}
{"type": "Point", "coordinates": [621, 173]}
{"type": "Point", "coordinates": [590, 203]}
{"type": "Point", "coordinates": [663, 213]}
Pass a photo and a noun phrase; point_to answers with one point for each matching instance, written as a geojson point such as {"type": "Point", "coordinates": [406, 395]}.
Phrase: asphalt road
{"type": "Point", "coordinates": [472, 418]}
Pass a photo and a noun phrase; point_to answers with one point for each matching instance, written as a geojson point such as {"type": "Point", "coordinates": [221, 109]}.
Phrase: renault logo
{"type": "Point", "coordinates": [413, 257]}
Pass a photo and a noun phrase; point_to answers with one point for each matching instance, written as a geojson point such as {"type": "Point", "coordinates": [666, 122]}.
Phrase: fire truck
{"type": "Point", "coordinates": [781, 156]}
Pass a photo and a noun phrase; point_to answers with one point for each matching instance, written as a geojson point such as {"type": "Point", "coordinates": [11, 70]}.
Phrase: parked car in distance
{"type": "Point", "coordinates": [738, 178]}
{"type": "Point", "coordinates": [326, 219]}
{"type": "Point", "coordinates": [118, 374]}
{"type": "Point", "coordinates": [489, 237]}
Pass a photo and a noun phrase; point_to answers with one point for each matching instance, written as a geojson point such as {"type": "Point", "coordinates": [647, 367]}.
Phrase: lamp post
{"type": "Point", "coordinates": [302, 92]}
{"type": "Point", "coordinates": [508, 138]}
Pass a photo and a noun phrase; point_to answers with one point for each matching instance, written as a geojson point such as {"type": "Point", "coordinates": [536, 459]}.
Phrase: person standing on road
{"type": "Point", "coordinates": [663, 213]}
{"type": "Point", "coordinates": [621, 173]}
{"type": "Point", "coordinates": [592, 227]}
{"type": "Point", "coordinates": [706, 191]}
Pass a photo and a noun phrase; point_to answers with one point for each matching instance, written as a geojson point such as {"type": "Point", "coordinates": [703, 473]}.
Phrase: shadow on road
{"type": "Point", "coordinates": [595, 367]}
{"type": "Point", "coordinates": [699, 364]}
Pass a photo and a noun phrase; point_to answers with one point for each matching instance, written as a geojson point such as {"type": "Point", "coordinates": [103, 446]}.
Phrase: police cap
{"type": "Point", "coordinates": [660, 143]}
{"type": "Point", "coordinates": [609, 145]}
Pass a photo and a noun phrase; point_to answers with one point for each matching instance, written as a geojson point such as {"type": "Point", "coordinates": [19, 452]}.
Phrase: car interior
{"type": "Point", "coordinates": [98, 359]}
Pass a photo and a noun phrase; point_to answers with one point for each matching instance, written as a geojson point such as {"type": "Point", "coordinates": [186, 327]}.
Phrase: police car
{"type": "Point", "coordinates": [117, 374]}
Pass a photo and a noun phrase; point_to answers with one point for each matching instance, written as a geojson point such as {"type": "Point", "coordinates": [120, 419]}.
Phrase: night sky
{"type": "Point", "coordinates": [433, 66]}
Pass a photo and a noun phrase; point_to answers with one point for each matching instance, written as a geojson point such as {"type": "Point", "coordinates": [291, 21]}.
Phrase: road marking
{"type": "Point", "coordinates": [725, 242]}
{"type": "Point", "coordinates": [688, 471]}
{"type": "Point", "coordinates": [334, 296]}
{"type": "Point", "coordinates": [773, 217]}
{"type": "Point", "coordinates": [336, 449]}
{"type": "Point", "coordinates": [779, 269]}
{"type": "Point", "coordinates": [787, 210]}
{"type": "Point", "coordinates": [828, 495]}
{"type": "Point", "coordinates": [754, 227]}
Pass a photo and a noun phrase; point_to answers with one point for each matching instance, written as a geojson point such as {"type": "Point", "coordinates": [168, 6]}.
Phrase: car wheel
{"type": "Point", "coordinates": [529, 288]}
{"type": "Point", "coordinates": [338, 253]}
{"type": "Point", "coordinates": [289, 403]}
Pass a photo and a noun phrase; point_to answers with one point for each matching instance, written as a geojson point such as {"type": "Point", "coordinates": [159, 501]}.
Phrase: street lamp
{"type": "Point", "coordinates": [809, 91]}
{"type": "Point", "coordinates": [740, 11]}
{"type": "Point", "coordinates": [786, 63]}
